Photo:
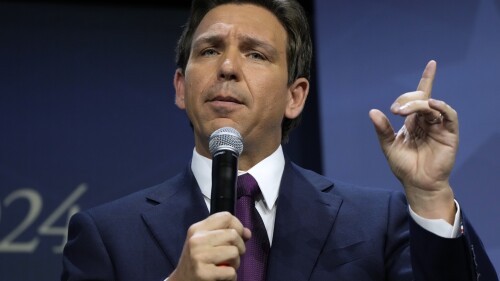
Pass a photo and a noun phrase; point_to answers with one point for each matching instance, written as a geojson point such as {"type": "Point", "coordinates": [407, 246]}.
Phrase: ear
{"type": "Point", "coordinates": [179, 89]}
{"type": "Point", "coordinates": [298, 92]}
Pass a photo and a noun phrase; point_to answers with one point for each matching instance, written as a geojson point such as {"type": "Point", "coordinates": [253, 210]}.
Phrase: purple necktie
{"type": "Point", "coordinates": [254, 262]}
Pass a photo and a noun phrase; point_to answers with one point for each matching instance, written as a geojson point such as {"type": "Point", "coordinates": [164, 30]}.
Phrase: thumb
{"type": "Point", "coordinates": [383, 128]}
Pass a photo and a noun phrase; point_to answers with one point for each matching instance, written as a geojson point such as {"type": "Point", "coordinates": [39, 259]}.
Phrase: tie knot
{"type": "Point", "coordinates": [247, 186]}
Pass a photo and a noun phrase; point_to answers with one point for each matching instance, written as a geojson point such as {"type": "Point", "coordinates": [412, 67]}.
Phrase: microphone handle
{"type": "Point", "coordinates": [224, 175]}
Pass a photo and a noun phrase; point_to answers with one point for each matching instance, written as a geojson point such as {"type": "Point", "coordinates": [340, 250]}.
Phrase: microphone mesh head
{"type": "Point", "coordinates": [225, 138]}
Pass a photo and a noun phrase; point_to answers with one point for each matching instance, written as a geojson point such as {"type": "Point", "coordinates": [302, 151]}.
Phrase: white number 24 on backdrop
{"type": "Point", "coordinates": [8, 244]}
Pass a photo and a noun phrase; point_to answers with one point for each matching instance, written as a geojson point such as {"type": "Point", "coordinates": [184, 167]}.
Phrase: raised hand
{"type": "Point", "coordinates": [422, 153]}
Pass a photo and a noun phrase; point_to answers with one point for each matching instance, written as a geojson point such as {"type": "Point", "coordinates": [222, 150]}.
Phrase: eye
{"type": "Point", "coordinates": [257, 56]}
{"type": "Point", "coordinates": [209, 52]}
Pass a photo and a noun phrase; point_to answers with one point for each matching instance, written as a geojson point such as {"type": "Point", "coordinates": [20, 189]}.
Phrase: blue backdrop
{"type": "Point", "coordinates": [87, 108]}
{"type": "Point", "coordinates": [87, 115]}
{"type": "Point", "coordinates": [369, 52]}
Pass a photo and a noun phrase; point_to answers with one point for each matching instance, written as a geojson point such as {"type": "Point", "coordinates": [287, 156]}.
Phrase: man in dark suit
{"type": "Point", "coordinates": [245, 64]}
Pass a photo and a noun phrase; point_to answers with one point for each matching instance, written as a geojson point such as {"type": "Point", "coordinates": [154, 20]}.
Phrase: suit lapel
{"type": "Point", "coordinates": [304, 218]}
{"type": "Point", "coordinates": [178, 204]}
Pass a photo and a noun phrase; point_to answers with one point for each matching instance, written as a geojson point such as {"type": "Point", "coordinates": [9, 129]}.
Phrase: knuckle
{"type": "Point", "coordinates": [228, 273]}
{"type": "Point", "coordinates": [194, 241]}
{"type": "Point", "coordinates": [234, 252]}
{"type": "Point", "coordinates": [226, 216]}
{"type": "Point", "coordinates": [233, 234]}
{"type": "Point", "coordinates": [192, 230]}
{"type": "Point", "coordinates": [231, 271]}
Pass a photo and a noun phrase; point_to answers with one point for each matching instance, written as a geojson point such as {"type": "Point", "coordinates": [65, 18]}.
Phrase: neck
{"type": "Point", "coordinates": [248, 158]}
{"type": "Point", "coordinates": [251, 157]}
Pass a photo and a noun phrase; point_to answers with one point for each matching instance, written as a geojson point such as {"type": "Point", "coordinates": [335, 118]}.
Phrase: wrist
{"type": "Point", "coordinates": [432, 204]}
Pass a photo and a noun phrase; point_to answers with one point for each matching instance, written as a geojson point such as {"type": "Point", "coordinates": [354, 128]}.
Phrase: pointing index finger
{"type": "Point", "coordinates": [425, 84]}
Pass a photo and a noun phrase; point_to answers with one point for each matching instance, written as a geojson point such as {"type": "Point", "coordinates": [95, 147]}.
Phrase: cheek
{"type": "Point", "coordinates": [199, 78]}
{"type": "Point", "coordinates": [272, 102]}
{"type": "Point", "coordinates": [266, 81]}
{"type": "Point", "coordinates": [273, 94]}
{"type": "Point", "coordinates": [194, 88]}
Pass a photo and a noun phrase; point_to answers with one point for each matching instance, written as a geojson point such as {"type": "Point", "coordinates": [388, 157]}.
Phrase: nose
{"type": "Point", "coordinates": [230, 67]}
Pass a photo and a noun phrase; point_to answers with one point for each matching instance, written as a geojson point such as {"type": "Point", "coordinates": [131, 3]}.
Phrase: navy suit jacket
{"type": "Point", "coordinates": [323, 231]}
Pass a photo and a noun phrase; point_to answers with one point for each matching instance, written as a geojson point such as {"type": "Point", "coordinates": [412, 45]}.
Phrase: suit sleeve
{"type": "Point", "coordinates": [436, 258]}
{"type": "Point", "coordinates": [85, 256]}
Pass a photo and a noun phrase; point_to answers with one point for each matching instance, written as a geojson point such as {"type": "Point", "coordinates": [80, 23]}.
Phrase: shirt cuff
{"type": "Point", "coordinates": [440, 227]}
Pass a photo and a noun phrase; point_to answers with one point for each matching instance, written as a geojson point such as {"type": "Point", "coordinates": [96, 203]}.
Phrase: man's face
{"type": "Point", "coordinates": [237, 76]}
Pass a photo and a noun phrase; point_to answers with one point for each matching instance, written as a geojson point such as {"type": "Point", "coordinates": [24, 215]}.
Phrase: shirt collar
{"type": "Point", "coordinates": [267, 173]}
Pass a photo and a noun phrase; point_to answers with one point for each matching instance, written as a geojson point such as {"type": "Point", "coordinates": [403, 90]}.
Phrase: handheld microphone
{"type": "Point", "coordinates": [225, 145]}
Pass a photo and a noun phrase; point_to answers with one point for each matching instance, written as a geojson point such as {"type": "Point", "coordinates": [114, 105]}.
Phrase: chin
{"type": "Point", "coordinates": [222, 122]}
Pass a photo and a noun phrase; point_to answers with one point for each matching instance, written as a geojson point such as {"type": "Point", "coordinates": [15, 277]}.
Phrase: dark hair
{"type": "Point", "coordinates": [299, 46]}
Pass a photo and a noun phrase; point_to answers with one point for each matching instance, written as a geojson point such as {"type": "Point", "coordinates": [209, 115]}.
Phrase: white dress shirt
{"type": "Point", "coordinates": [267, 173]}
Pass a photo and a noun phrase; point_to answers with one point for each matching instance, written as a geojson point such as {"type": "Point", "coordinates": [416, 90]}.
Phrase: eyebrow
{"type": "Point", "coordinates": [210, 39]}
{"type": "Point", "coordinates": [245, 42]}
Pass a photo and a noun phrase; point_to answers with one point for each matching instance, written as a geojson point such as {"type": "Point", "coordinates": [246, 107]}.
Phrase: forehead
{"type": "Point", "coordinates": [242, 20]}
